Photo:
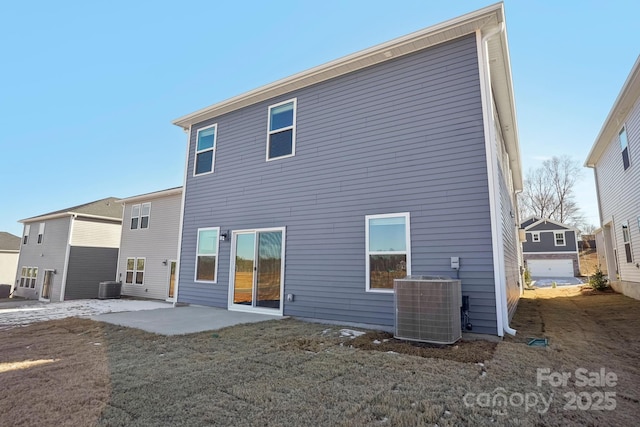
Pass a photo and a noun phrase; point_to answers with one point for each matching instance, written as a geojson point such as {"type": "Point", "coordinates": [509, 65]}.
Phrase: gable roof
{"type": "Point", "coordinates": [152, 195]}
{"type": "Point", "coordinates": [547, 220]}
{"type": "Point", "coordinates": [100, 209]}
{"type": "Point", "coordinates": [485, 20]}
{"type": "Point", "coordinates": [9, 242]}
{"type": "Point", "coordinates": [627, 98]}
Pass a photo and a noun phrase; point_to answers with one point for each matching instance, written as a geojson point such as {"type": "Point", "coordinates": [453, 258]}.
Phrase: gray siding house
{"type": "Point", "coordinates": [149, 244]}
{"type": "Point", "coordinates": [65, 254]}
{"type": "Point", "coordinates": [615, 159]}
{"type": "Point", "coordinates": [550, 249]}
{"type": "Point", "coordinates": [9, 250]}
{"type": "Point", "coordinates": [308, 196]}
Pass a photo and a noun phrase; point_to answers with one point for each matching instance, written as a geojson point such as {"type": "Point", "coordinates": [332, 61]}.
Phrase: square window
{"type": "Point", "coordinates": [207, 254]}
{"type": "Point", "coordinates": [205, 150]}
{"type": "Point", "coordinates": [535, 237]}
{"type": "Point", "coordinates": [281, 130]}
{"type": "Point", "coordinates": [388, 244]}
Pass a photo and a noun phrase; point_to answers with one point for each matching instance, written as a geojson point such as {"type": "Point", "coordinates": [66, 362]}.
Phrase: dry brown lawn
{"type": "Point", "coordinates": [588, 262]}
{"type": "Point", "coordinates": [81, 372]}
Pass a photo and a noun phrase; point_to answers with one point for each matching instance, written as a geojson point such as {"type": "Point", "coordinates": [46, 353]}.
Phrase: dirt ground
{"type": "Point", "coordinates": [82, 372]}
{"type": "Point", "coordinates": [588, 262]}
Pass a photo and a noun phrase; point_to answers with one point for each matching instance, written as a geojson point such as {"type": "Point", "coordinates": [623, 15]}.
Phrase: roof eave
{"type": "Point", "coordinates": [153, 195]}
{"type": "Point", "coordinates": [401, 46]}
{"type": "Point", "coordinates": [627, 97]}
{"type": "Point", "coordinates": [66, 214]}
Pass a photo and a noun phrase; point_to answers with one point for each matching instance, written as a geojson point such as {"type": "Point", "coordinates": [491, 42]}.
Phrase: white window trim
{"type": "Point", "coordinates": [28, 278]}
{"type": "Point", "coordinates": [135, 270]}
{"type": "Point", "coordinates": [25, 236]}
{"type": "Point", "coordinates": [195, 266]}
{"type": "Point", "coordinates": [564, 238]}
{"type": "Point", "coordinates": [407, 217]}
{"type": "Point", "coordinates": [214, 149]}
{"type": "Point", "coordinates": [40, 233]}
{"type": "Point", "coordinates": [142, 216]}
{"type": "Point", "coordinates": [535, 236]}
{"type": "Point", "coordinates": [292, 127]}
{"type": "Point", "coordinates": [135, 216]}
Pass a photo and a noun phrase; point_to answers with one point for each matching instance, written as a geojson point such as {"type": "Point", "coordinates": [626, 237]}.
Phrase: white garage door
{"type": "Point", "coordinates": [550, 267]}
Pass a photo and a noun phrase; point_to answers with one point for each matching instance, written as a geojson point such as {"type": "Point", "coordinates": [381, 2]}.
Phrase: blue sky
{"type": "Point", "coordinates": [88, 90]}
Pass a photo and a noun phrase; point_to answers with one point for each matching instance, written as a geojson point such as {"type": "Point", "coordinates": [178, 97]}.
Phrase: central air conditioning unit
{"type": "Point", "coordinates": [428, 309]}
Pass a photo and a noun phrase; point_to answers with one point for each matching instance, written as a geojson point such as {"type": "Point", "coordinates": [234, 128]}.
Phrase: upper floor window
{"type": "Point", "coordinates": [535, 237]}
{"type": "Point", "coordinates": [626, 238]}
{"type": "Point", "coordinates": [624, 147]}
{"type": "Point", "coordinates": [25, 237]}
{"type": "Point", "coordinates": [281, 140]}
{"type": "Point", "coordinates": [559, 239]}
{"type": "Point", "coordinates": [41, 233]}
{"type": "Point", "coordinates": [388, 247]}
{"type": "Point", "coordinates": [205, 150]}
{"type": "Point", "coordinates": [140, 216]}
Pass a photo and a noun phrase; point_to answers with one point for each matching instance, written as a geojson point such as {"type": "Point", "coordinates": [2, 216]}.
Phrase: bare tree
{"type": "Point", "coordinates": [549, 191]}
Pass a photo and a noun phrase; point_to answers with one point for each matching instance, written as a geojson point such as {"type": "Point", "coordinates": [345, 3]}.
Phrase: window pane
{"type": "Point", "coordinates": [204, 162]}
{"type": "Point", "coordinates": [34, 272]}
{"type": "Point", "coordinates": [135, 210]}
{"type": "Point", "coordinates": [134, 223]}
{"type": "Point", "coordinates": [206, 138]}
{"type": "Point", "coordinates": [623, 139]}
{"type": "Point", "coordinates": [144, 223]}
{"type": "Point", "coordinates": [625, 233]}
{"type": "Point", "coordinates": [384, 268]}
{"type": "Point", "coordinates": [625, 158]}
{"type": "Point", "coordinates": [139, 278]}
{"type": "Point", "coordinates": [129, 278]}
{"type": "Point", "coordinates": [387, 234]}
{"type": "Point", "coordinates": [207, 242]}
{"type": "Point", "coordinates": [146, 209]}
{"type": "Point", "coordinates": [130, 263]}
{"type": "Point", "coordinates": [281, 144]}
{"type": "Point", "coordinates": [281, 116]}
{"type": "Point", "coordinates": [206, 268]}
{"type": "Point", "coordinates": [140, 264]}
{"type": "Point", "coordinates": [627, 251]}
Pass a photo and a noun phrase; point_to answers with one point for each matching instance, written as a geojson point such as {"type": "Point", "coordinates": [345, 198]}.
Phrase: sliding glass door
{"type": "Point", "coordinates": [258, 270]}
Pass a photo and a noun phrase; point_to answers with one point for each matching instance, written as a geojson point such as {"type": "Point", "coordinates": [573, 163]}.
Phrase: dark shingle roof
{"type": "Point", "coordinates": [9, 242]}
{"type": "Point", "coordinates": [103, 207]}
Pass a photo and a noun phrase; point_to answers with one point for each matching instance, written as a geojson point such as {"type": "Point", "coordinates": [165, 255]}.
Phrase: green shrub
{"type": "Point", "coordinates": [527, 277]}
{"type": "Point", "coordinates": [598, 281]}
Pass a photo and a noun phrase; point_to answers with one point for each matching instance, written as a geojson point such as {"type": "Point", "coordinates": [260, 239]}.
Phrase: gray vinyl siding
{"type": "Point", "coordinates": [403, 136]}
{"type": "Point", "coordinates": [547, 242]}
{"type": "Point", "coordinates": [619, 198]}
{"type": "Point", "coordinates": [546, 226]}
{"type": "Point", "coordinates": [88, 266]}
{"type": "Point", "coordinates": [157, 243]}
{"type": "Point", "coordinates": [49, 255]}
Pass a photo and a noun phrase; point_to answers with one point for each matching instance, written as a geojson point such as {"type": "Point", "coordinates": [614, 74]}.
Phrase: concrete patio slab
{"type": "Point", "coordinates": [547, 282]}
{"type": "Point", "coordinates": [183, 320]}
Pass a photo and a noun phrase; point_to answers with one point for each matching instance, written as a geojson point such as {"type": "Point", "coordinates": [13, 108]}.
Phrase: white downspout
{"type": "Point", "coordinates": [502, 310]}
{"type": "Point", "coordinates": [181, 225]}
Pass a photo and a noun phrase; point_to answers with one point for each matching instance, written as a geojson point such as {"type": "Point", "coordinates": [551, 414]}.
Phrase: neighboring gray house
{"type": "Point", "coordinates": [615, 159]}
{"type": "Point", "coordinates": [65, 254]}
{"type": "Point", "coordinates": [550, 249]}
{"type": "Point", "coordinates": [149, 244]}
{"type": "Point", "coordinates": [9, 250]}
{"type": "Point", "coordinates": [308, 196]}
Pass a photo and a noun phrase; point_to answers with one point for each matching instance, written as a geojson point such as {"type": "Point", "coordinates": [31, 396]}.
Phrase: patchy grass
{"type": "Point", "coordinates": [296, 373]}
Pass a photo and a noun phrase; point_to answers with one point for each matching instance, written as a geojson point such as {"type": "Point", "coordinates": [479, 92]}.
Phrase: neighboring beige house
{"type": "Point", "coordinates": [149, 244]}
{"type": "Point", "coordinates": [9, 250]}
{"type": "Point", "coordinates": [615, 158]}
{"type": "Point", "coordinates": [66, 254]}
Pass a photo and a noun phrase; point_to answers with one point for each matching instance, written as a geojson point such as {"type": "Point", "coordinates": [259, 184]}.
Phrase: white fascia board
{"type": "Point", "coordinates": [153, 195]}
{"type": "Point", "coordinates": [436, 34]}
